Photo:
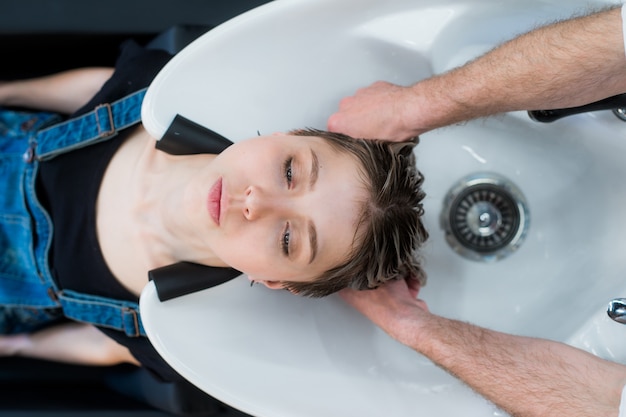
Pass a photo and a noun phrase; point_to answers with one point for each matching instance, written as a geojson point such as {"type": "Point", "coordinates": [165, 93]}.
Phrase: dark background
{"type": "Point", "coordinates": [43, 36]}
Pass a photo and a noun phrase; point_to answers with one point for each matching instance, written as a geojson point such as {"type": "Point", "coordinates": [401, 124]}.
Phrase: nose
{"type": "Point", "coordinates": [259, 203]}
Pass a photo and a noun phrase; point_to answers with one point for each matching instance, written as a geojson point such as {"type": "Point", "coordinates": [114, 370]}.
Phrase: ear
{"type": "Point", "coordinates": [274, 285]}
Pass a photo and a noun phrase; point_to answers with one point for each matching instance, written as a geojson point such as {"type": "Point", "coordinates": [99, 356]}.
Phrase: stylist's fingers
{"type": "Point", "coordinates": [347, 119]}
{"type": "Point", "coordinates": [422, 304]}
{"type": "Point", "coordinates": [399, 291]}
{"type": "Point", "coordinates": [386, 294]}
{"type": "Point", "coordinates": [413, 285]}
{"type": "Point", "coordinates": [356, 298]}
{"type": "Point", "coordinates": [368, 113]}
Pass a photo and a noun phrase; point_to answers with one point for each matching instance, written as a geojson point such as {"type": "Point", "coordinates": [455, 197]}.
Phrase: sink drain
{"type": "Point", "coordinates": [485, 217]}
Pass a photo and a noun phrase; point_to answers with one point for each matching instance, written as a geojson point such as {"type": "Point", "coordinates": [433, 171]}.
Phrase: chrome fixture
{"type": "Point", "coordinates": [617, 310]}
{"type": "Point", "coordinates": [620, 112]}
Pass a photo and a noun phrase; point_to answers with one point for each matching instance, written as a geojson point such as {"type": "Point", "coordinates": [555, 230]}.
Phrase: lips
{"type": "Point", "coordinates": [214, 205]}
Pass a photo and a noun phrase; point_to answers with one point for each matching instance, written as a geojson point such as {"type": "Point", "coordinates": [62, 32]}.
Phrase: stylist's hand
{"type": "Point", "coordinates": [393, 306]}
{"type": "Point", "coordinates": [379, 111]}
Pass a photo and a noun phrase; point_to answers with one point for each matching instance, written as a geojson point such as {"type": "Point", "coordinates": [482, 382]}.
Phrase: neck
{"type": "Point", "coordinates": [167, 183]}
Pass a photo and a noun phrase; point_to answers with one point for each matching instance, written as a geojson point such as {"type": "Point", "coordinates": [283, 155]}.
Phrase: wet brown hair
{"type": "Point", "coordinates": [390, 229]}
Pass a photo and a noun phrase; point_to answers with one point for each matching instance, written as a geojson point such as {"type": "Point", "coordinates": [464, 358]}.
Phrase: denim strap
{"type": "Point", "coordinates": [102, 311]}
{"type": "Point", "coordinates": [99, 124]}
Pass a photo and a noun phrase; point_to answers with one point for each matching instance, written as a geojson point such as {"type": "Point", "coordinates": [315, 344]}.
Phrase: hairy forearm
{"type": "Point", "coordinates": [524, 376]}
{"type": "Point", "coordinates": [64, 92]}
{"type": "Point", "coordinates": [566, 64]}
{"type": "Point", "coordinates": [527, 377]}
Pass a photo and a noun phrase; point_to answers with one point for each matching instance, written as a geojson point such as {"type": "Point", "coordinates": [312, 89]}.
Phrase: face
{"type": "Point", "coordinates": [281, 207]}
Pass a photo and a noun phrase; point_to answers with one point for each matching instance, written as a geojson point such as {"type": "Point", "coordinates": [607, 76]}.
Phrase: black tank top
{"type": "Point", "coordinates": [68, 187]}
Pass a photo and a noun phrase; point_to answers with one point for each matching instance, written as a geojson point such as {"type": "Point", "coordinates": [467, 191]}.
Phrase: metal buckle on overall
{"type": "Point", "coordinates": [104, 133]}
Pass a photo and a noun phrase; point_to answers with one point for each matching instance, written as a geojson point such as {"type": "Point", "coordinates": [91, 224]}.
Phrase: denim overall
{"type": "Point", "coordinates": [29, 297]}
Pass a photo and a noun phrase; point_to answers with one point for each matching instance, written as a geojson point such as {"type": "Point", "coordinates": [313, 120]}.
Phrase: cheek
{"type": "Point", "coordinates": [246, 250]}
{"type": "Point", "coordinates": [252, 162]}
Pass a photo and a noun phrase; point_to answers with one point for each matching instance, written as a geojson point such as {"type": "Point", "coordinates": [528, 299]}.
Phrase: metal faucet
{"type": "Point", "coordinates": [617, 310]}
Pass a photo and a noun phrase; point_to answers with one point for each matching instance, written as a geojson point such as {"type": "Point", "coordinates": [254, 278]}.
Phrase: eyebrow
{"type": "Point", "coordinates": [315, 169]}
{"type": "Point", "coordinates": [313, 241]}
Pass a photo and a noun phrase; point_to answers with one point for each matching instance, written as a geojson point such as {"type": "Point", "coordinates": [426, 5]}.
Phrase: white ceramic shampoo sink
{"type": "Point", "coordinates": [286, 65]}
